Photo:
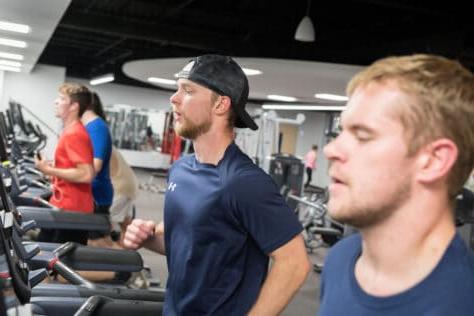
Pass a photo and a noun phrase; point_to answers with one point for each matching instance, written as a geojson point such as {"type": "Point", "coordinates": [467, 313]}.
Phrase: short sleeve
{"type": "Point", "coordinates": [79, 148]}
{"type": "Point", "coordinates": [99, 137]}
{"type": "Point", "coordinates": [262, 211]}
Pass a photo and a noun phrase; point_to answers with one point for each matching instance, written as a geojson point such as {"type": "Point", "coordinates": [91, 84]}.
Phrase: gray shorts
{"type": "Point", "coordinates": [121, 208]}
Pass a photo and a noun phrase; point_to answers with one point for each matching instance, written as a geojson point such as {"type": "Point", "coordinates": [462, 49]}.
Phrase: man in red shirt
{"type": "Point", "coordinates": [72, 171]}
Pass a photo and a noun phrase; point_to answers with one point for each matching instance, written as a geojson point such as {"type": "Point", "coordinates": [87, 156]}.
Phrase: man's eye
{"type": "Point", "coordinates": [362, 137]}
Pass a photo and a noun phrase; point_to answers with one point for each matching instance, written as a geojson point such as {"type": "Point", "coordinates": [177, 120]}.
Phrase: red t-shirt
{"type": "Point", "coordinates": [74, 147]}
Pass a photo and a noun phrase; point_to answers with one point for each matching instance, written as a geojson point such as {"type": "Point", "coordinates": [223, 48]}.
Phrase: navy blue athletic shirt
{"type": "Point", "coordinates": [447, 290]}
{"type": "Point", "coordinates": [221, 223]}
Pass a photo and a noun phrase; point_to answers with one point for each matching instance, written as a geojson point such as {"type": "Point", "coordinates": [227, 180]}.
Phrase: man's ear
{"type": "Point", "coordinates": [222, 105]}
{"type": "Point", "coordinates": [436, 159]}
{"type": "Point", "coordinates": [75, 107]}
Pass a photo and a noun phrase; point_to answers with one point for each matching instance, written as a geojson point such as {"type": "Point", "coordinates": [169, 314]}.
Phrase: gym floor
{"type": "Point", "coordinates": [149, 205]}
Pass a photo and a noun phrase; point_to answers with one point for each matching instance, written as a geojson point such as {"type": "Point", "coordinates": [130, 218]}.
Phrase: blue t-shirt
{"type": "Point", "coordinates": [102, 145]}
{"type": "Point", "coordinates": [447, 290]}
{"type": "Point", "coordinates": [221, 223]}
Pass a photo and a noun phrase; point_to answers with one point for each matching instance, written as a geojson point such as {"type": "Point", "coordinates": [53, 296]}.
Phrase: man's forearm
{"type": "Point", "coordinates": [75, 175]}
{"type": "Point", "coordinates": [283, 280]}
{"type": "Point", "coordinates": [156, 244]}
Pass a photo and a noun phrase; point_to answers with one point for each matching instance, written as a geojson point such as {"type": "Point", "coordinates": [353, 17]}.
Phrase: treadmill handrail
{"type": "Point", "coordinates": [52, 219]}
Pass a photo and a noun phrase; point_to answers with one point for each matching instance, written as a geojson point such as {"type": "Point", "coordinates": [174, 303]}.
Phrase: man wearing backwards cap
{"type": "Point", "coordinates": [224, 216]}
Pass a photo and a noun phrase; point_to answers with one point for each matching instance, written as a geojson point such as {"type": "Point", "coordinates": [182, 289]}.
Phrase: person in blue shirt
{"type": "Point", "coordinates": [224, 216]}
{"type": "Point", "coordinates": [405, 150]}
{"type": "Point", "coordinates": [94, 121]}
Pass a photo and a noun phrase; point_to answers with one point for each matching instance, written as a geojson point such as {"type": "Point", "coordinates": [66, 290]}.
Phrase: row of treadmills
{"type": "Point", "coordinates": [25, 265]}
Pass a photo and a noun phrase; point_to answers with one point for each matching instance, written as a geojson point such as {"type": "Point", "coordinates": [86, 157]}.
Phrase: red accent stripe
{"type": "Point", "coordinates": [52, 262]}
{"type": "Point", "coordinates": [4, 275]}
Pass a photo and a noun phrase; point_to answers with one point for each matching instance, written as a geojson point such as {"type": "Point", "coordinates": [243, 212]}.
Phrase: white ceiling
{"type": "Point", "coordinates": [41, 15]}
{"type": "Point", "coordinates": [300, 79]}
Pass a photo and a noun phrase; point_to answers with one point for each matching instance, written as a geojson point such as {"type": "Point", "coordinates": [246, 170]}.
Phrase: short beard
{"type": "Point", "coordinates": [362, 216]}
{"type": "Point", "coordinates": [191, 131]}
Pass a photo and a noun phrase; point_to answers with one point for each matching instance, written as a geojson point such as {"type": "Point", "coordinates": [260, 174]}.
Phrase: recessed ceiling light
{"type": "Point", "coordinates": [10, 63]}
{"type": "Point", "coordinates": [162, 80]}
{"type": "Point", "coordinates": [13, 43]}
{"type": "Point", "coordinates": [102, 79]}
{"type": "Point", "coordinates": [14, 27]}
{"type": "Point", "coordinates": [9, 68]}
{"type": "Point", "coordinates": [251, 72]}
{"type": "Point", "coordinates": [11, 56]}
{"type": "Point", "coordinates": [301, 107]}
{"type": "Point", "coordinates": [276, 97]}
{"type": "Point", "coordinates": [332, 97]}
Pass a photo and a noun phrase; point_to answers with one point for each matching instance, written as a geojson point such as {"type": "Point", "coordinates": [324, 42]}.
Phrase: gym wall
{"type": "Point", "coordinates": [37, 92]}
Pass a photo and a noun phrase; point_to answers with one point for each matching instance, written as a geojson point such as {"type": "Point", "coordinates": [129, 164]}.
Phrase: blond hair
{"type": "Point", "coordinates": [77, 93]}
{"type": "Point", "coordinates": [441, 92]}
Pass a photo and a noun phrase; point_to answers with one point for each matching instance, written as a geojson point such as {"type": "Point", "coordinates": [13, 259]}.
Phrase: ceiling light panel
{"type": "Point", "coordinates": [251, 72]}
{"type": "Point", "coordinates": [12, 43]}
{"type": "Point", "coordinates": [102, 79]}
{"type": "Point", "coordinates": [162, 81]}
{"type": "Point", "coordinates": [331, 97]}
{"type": "Point", "coordinates": [11, 56]}
{"type": "Point", "coordinates": [14, 27]}
{"type": "Point", "coordinates": [302, 107]}
{"type": "Point", "coordinates": [284, 98]}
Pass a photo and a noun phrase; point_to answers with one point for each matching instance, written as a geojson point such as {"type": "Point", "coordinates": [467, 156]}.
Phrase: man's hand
{"type": "Point", "coordinates": [42, 164]}
{"type": "Point", "coordinates": [140, 232]}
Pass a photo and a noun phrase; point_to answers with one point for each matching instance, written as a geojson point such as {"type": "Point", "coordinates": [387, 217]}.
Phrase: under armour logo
{"type": "Point", "coordinates": [171, 186]}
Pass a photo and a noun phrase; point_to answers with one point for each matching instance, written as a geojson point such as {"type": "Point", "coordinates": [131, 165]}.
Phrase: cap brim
{"type": "Point", "coordinates": [244, 120]}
